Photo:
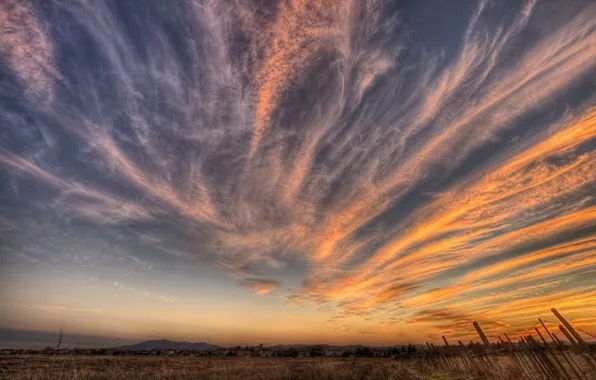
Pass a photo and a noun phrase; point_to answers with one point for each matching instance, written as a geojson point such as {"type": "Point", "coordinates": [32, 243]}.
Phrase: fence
{"type": "Point", "coordinates": [544, 357]}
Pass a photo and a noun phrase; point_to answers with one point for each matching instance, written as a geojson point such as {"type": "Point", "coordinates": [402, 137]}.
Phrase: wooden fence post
{"type": "Point", "coordinates": [576, 345]}
{"type": "Point", "coordinates": [561, 368]}
{"type": "Point", "coordinates": [569, 354]}
{"type": "Point", "coordinates": [515, 359]}
{"type": "Point", "coordinates": [578, 337]}
{"type": "Point", "coordinates": [538, 364]}
{"type": "Point", "coordinates": [471, 363]}
{"type": "Point", "coordinates": [569, 360]}
{"type": "Point", "coordinates": [481, 333]}
{"type": "Point", "coordinates": [526, 361]}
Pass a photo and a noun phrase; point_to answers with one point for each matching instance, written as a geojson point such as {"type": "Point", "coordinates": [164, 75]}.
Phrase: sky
{"type": "Point", "coordinates": [326, 171]}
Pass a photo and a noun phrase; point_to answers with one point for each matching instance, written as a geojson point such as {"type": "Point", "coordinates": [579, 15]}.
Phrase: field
{"type": "Point", "coordinates": [81, 367]}
{"type": "Point", "coordinates": [137, 367]}
{"type": "Point", "coordinates": [529, 359]}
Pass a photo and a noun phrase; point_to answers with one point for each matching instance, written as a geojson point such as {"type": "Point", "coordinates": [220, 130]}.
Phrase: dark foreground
{"type": "Point", "coordinates": [77, 367]}
{"type": "Point", "coordinates": [20, 367]}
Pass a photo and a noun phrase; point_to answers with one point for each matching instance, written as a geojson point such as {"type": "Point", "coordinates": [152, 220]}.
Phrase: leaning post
{"type": "Point", "coordinates": [575, 334]}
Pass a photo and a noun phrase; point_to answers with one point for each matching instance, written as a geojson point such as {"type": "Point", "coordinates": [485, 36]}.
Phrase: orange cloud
{"type": "Point", "coordinates": [343, 187]}
{"type": "Point", "coordinates": [24, 42]}
{"type": "Point", "coordinates": [260, 286]}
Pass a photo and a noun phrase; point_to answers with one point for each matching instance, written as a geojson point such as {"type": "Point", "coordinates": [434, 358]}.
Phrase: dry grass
{"type": "Point", "coordinates": [76, 367]}
{"type": "Point", "coordinates": [149, 368]}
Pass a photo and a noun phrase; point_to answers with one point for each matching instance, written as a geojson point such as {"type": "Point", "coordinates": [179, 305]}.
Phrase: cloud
{"type": "Point", "coordinates": [25, 43]}
{"type": "Point", "coordinates": [326, 137]}
{"type": "Point", "coordinates": [260, 286]}
{"type": "Point", "coordinates": [77, 199]}
{"type": "Point", "coordinates": [60, 308]}
{"type": "Point", "coordinates": [131, 289]}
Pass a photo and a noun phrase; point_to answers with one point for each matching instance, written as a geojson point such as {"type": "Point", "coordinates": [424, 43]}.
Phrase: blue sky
{"type": "Point", "coordinates": [298, 171]}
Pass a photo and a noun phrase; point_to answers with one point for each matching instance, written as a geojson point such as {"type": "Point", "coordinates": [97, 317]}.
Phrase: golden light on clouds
{"type": "Point", "coordinates": [324, 154]}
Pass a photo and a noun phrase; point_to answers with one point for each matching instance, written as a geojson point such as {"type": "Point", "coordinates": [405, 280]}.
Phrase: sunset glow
{"type": "Point", "coordinates": [328, 171]}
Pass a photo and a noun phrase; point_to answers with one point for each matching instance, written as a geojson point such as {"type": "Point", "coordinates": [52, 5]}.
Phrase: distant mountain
{"type": "Point", "coordinates": [169, 345]}
{"type": "Point", "coordinates": [334, 347]}
{"type": "Point", "coordinates": [288, 346]}
{"type": "Point", "coordinates": [325, 346]}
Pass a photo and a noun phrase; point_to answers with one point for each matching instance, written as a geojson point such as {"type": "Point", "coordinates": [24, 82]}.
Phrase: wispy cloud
{"type": "Point", "coordinates": [260, 286]}
{"type": "Point", "coordinates": [60, 308]}
{"type": "Point", "coordinates": [325, 133]}
{"type": "Point", "coordinates": [144, 293]}
{"type": "Point", "coordinates": [27, 47]}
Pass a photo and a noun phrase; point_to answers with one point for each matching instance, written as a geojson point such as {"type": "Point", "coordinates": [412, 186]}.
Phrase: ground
{"type": "Point", "coordinates": [21, 367]}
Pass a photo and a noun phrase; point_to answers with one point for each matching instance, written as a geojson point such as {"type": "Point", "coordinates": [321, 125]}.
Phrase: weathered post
{"type": "Point", "coordinates": [571, 340]}
{"type": "Point", "coordinates": [480, 358]}
{"type": "Point", "coordinates": [464, 358]}
{"type": "Point", "coordinates": [451, 364]}
{"type": "Point", "coordinates": [576, 345]}
{"type": "Point", "coordinates": [560, 367]}
{"type": "Point", "coordinates": [522, 358]}
{"type": "Point", "coordinates": [575, 334]}
{"type": "Point", "coordinates": [487, 349]}
{"type": "Point", "coordinates": [481, 334]}
{"type": "Point", "coordinates": [548, 364]}
{"type": "Point", "coordinates": [542, 364]}
{"type": "Point", "coordinates": [450, 361]}
{"type": "Point", "coordinates": [432, 357]}
{"type": "Point", "coordinates": [570, 356]}
{"type": "Point", "coordinates": [470, 362]}
{"type": "Point", "coordinates": [515, 359]}
{"type": "Point", "coordinates": [563, 353]}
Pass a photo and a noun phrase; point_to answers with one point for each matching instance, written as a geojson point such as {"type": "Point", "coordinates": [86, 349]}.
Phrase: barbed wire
{"type": "Point", "coordinates": [534, 325]}
{"type": "Point", "coordinates": [555, 323]}
{"type": "Point", "coordinates": [585, 332]}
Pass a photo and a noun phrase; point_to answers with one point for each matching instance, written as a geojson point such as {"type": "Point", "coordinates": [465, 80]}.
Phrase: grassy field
{"type": "Point", "coordinates": [95, 367]}
{"type": "Point", "coordinates": [137, 368]}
